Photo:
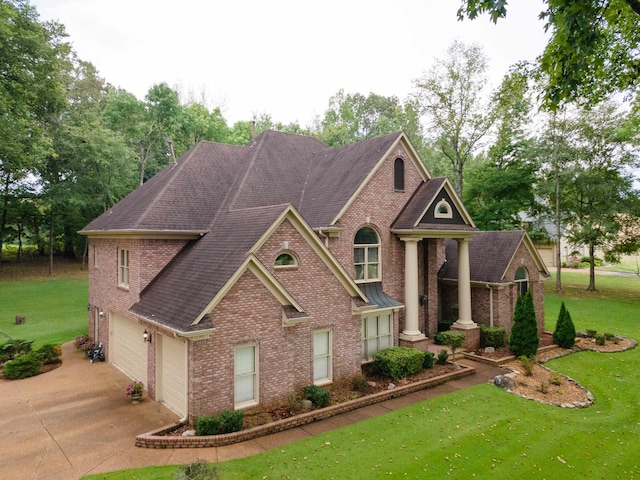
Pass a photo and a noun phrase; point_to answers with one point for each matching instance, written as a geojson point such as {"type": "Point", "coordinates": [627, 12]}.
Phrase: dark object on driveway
{"type": "Point", "coordinates": [96, 354]}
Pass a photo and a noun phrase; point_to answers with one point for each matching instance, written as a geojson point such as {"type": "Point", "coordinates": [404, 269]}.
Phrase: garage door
{"type": "Point", "coordinates": [128, 349]}
{"type": "Point", "coordinates": [172, 375]}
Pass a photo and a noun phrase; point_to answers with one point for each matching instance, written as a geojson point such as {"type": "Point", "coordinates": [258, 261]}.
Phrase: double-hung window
{"type": "Point", "coordinates": [246, 376]}
{"type": "Point", "coordinates": [322, 357]}
{"type": "Point", "coordinates": [123, 267]}
{"type": "Point", "coordinates": [522, 281]}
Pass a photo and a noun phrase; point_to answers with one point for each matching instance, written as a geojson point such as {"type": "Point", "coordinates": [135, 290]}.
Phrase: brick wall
{"type": "Point", "coordinates": [249, 314]}
{"type": "Point", "coordinates": [146, 259]}
{"type": "Point", "coordinates": [382, 204]}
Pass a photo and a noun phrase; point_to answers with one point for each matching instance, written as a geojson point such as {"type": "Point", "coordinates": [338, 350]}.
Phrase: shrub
{"type": "Point", "coordinates": [453, 340]}
{"type": "Point", "coordinates": [556, 379]}
{"type": "Point", "coordinates": [443, 356]}
{"type": "Point", "coordinates": [360, 384]}
{"type": "Point", "coordinates": [81, 341]}
{"type": "Point", "coordinates": [14, 348]}
{"type": "Point", "coordinates": [428, 360]}
{"type": "Point", "coordinates": [199, 470]}
{"type": "Point", "coordinates": [527, 364]}
{"type": "Point", "coordinates": [492, 336]}
{"type": "Point", "coordinates": [320, 397]}
{"type": "Point", "coordinates": [592, 333]}
{"type": "Point", "coordinates": [565, 333]}
{"type": "Point", "coordinates": [225, 422]}
{"type": "Point", "coordinates": [22, 367]}
{"type": "Point", "coordinates": [398, 362]}
{"type": "Point", "coordinates": [49, 353]}
{"type": "Point", "coordinates": [294, 402]}
{"type": "Point", "coordinates": [437, 339]}
{"type": "Point", "coordinates": [524, 339]}
{"type": "Point", "coordinates": [609, 336]}
{"type": "Point", "coordinates": [600, 339]}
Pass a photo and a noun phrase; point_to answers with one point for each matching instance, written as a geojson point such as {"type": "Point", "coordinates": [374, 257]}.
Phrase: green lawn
{"type": "Point", "coordinates": [56, 309]}
{"type": "Point", "coordinates": [484, 432]}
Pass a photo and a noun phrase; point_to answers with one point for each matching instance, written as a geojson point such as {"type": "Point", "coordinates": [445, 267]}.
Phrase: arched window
{"type": "Point", "coordinates": [285, 260]}
{"type": "Point", "coordinates": [398, 175]}
{"type": "Point", "coordinates": [366, 255]}
{"type": "Point", "coordinates": [443, 210]}
{"type": "Point", "coordinates": [522, 281]}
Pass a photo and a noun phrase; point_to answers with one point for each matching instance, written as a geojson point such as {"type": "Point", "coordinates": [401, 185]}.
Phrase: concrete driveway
{"type": "Point", "coordinates": [76, 421]}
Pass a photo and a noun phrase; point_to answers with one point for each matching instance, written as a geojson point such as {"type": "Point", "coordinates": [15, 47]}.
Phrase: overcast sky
{"type": "Point", "coordinates": [283, 57]}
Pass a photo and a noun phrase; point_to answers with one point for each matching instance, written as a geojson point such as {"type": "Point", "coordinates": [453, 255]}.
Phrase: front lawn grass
{"type": "Point", "coordinates": [56, 309]}
{"type": "Point", "coordinates": [482, 431]}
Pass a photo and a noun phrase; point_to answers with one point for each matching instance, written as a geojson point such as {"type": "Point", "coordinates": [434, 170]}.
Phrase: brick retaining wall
{"type": "Point", "coordinates": [156, 439]}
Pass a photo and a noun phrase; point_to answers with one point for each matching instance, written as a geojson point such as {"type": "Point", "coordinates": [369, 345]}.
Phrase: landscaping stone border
{"type": "Point", "coordinates": [158, 438]}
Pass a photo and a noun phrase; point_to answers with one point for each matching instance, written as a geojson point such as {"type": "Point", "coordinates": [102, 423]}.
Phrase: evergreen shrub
{"type": "Point", "coordinates": [565, 332]}
{"type": "Point", "coordinates": [398, 362]}
{"type": "Point", "coordinates": [22, 367]}
{"type": "Point", "coordinates": [443, 356]}
{"type": "Point", "coordinates": [225, 422]}
{"type": "Point", "coordinates": [319, 396]}
{"type": "Point", "coordinates": [524, 339]}
{"type": "Point", "coordinates": [492, 336]}
{"type": "Point", "coordinates": [428, 360]}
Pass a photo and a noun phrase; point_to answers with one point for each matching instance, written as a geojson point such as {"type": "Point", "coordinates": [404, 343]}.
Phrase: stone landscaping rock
{"type": "Point", "coordinates": [503, 381]}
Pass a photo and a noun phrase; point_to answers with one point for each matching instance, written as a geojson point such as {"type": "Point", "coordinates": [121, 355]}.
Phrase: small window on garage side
{"type": "Point", "coordinates": [285, 260]}
{"type": "Point", "coordinates": [398, 175]}
{"type": "Point", "coordinates": [522, 281]}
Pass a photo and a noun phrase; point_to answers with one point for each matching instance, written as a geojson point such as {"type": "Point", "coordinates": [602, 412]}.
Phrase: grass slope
{"type": "Point", "coordinates": [56, 309]}
{"type": "Point", "coordinates": [483, 432]}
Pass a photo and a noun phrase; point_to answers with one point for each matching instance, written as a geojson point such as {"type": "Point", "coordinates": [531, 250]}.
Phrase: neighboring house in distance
{"type": "Point", "coordinates": [256, 270]}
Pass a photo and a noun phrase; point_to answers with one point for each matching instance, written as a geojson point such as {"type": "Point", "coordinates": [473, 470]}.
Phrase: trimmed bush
{"type": "Point", "coordinates": [225, 422]}
{"type": "Point", "coordinates": [492, 336]}
{"type": "Point", "coordinates": [398, 362]}
{"type": "Point", "coordinates": [565, 332]}
{"type": "Point", "coordinates": [592, 333]}
{"type": "Point", "coordinates": [443, 356]}
{"type": "Point", "coordinates": [524, 339]}
{"type": "Point", "coordinates": [428, 360]}
{"type": "Point", "coordinates": [437, 339]}
{"type": "Point", "coordinates": [600, 339]}
{"type": "Point", "coordinates": [320, 397]}
{"type": "Point", "coordinates": [22, 367]}
{"type": "Point", "coordinates": [453, 340]}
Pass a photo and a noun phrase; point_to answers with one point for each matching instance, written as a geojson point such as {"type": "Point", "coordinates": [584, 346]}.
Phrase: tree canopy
{"type": "Point", "coordinates": [593, 50]}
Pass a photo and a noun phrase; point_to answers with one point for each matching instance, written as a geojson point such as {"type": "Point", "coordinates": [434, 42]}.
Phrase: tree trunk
{"type": "Point", "coordinates": [558, 234]}
{"type": "Point", "coordinates": [592, 269]}
{"type": "Point", "coordinates": [5, 208]}
{"type": "Point", "coordinates": [51, 243]}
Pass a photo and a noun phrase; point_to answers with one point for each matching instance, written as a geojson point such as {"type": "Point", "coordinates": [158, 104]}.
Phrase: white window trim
{"type": "Point", "coordinates": [328, 356]}
{"type": "Point", "coordinates": [256, 374]}
{"type": "Point", "coordinates": [366, 263]}
{"type": "Point", "coordinates": [364, 354]}
{"type": "Point", "coordinates": [439, 205]}
{"type": "Point", "coordinates": [284, 267]}
{"type": "Point", "coordinates": [123, 267]}
{"type": "Point", "coordinates": [520, 281]}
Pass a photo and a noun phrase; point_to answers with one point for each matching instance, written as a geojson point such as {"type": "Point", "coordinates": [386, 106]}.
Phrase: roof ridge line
{"type": "Point", "coordinates": [179, 165]}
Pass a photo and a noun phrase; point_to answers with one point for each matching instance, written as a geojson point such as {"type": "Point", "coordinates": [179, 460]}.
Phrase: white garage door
{"type": "Point", "coordinates": [128, 349]}
{"type": "Point", "coordinates": [172, 375]}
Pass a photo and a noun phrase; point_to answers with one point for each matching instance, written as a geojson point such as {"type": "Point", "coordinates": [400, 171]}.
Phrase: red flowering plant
{"type": "Point", "coordinates": [134, 388]}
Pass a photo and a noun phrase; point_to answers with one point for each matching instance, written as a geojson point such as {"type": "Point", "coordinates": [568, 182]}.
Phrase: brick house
{"type": "Point", "coordinates": [255, 270]}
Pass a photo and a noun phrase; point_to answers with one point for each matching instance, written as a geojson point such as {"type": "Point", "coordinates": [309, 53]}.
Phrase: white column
{"type": "Point", "coordinates": [411, 300]}
{"type": "Point", "coordinates": [464, 286]}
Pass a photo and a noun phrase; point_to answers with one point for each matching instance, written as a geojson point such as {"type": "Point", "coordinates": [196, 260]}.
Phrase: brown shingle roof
{"type": "Point", "coordinates": [490, 253]}
{"type": "Point", "coordinates": [235, 194]}
{"type": "Point", "coordinates": [173, 299]}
